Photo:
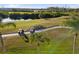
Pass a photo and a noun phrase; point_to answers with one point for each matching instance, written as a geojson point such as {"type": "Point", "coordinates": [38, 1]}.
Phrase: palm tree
{"type": "Point", "coordinates": [1, 38]}
{"type": "Point", "coordinates": [74, 22]}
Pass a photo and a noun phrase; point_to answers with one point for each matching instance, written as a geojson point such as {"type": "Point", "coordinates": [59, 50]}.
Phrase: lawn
{"type": "Point", "coordinates": [27, 24]}
{"type": "Point", "coordinates": [60, 42]}
{"type": "Point", "coordinates": [56, 41]}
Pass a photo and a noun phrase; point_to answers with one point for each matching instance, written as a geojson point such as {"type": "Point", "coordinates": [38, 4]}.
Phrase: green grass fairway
{"type": "Point", "coordinates": [56, 41]}
{"type": "Point", "coordinates": [60, 42]}
{"type": "Point", "coordinates": [27, 24]}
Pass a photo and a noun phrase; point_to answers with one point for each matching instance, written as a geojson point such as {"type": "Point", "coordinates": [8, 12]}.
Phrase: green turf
{"type": "Point", "coordinates": [27, 24]}
{"type": "Point", "coordinates": [60, 42]}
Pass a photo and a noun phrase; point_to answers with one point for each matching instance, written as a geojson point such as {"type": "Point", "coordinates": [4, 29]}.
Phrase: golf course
{"type": "Point", "coordinates": [59, 40]}
{"type": "Point", "coordinates": [53, 30]}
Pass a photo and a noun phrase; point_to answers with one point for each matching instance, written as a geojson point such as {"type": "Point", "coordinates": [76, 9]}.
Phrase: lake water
{"type": "Point", "coordinates": [11, 20]}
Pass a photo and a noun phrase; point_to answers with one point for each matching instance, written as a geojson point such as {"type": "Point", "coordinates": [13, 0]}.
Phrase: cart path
{"type": "Point", "coordinates": [42, 30]}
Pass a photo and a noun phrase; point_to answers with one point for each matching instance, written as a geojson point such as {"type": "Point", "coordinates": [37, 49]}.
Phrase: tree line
{"type": "Point", "coordinates": [32, 15]}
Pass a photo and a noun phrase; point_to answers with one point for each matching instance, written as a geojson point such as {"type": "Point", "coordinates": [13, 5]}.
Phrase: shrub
{"type": "Point", "coordinates": [15, 16]}
{"type": "Point", "coordinates": [36, 15]}
{"type": "Point", "coordinates": [25, 16]}
{"type": "Point", "coordinates": [3, 15]}
{"type": "Point", "coordinates": [38, 27]}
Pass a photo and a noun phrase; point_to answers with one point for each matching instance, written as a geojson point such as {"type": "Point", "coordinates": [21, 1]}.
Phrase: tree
{"type": "Point", "coordinates": [74, 22]}
{"type": "Point", "coordinates": [1, 38]}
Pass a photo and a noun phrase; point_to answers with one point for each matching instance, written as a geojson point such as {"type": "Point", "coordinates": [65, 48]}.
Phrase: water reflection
{"type": "Point", "coordinates": [7, 20]}
{"type": "Point", "coordinates": [12, 20]}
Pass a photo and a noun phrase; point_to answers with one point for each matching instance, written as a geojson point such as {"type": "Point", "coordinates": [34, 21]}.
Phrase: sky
{"type": "Point", "coordinates": [38, 5]}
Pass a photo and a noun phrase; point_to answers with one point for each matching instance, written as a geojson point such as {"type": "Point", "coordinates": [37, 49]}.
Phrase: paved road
{"type": "Point", "coordinates": [16, 34]}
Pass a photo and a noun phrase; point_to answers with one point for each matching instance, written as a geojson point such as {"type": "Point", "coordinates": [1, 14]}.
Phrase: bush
{"type": "Point", "coordinates": [38, 27]}
{"type": "Point", "coordinates": [25, 16]}
{"type": "Point", "coordinates": [36, 15]}
{"type": "Point", "coordinates": [15, 16]}
{"type": "Point", "coordinates": [46, 16]}
{"type": "Point", "coordinates": [3, 15]}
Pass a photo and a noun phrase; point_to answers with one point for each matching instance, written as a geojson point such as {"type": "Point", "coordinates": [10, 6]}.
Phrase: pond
{"type": "Point", "coordinates": [12, 20]}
